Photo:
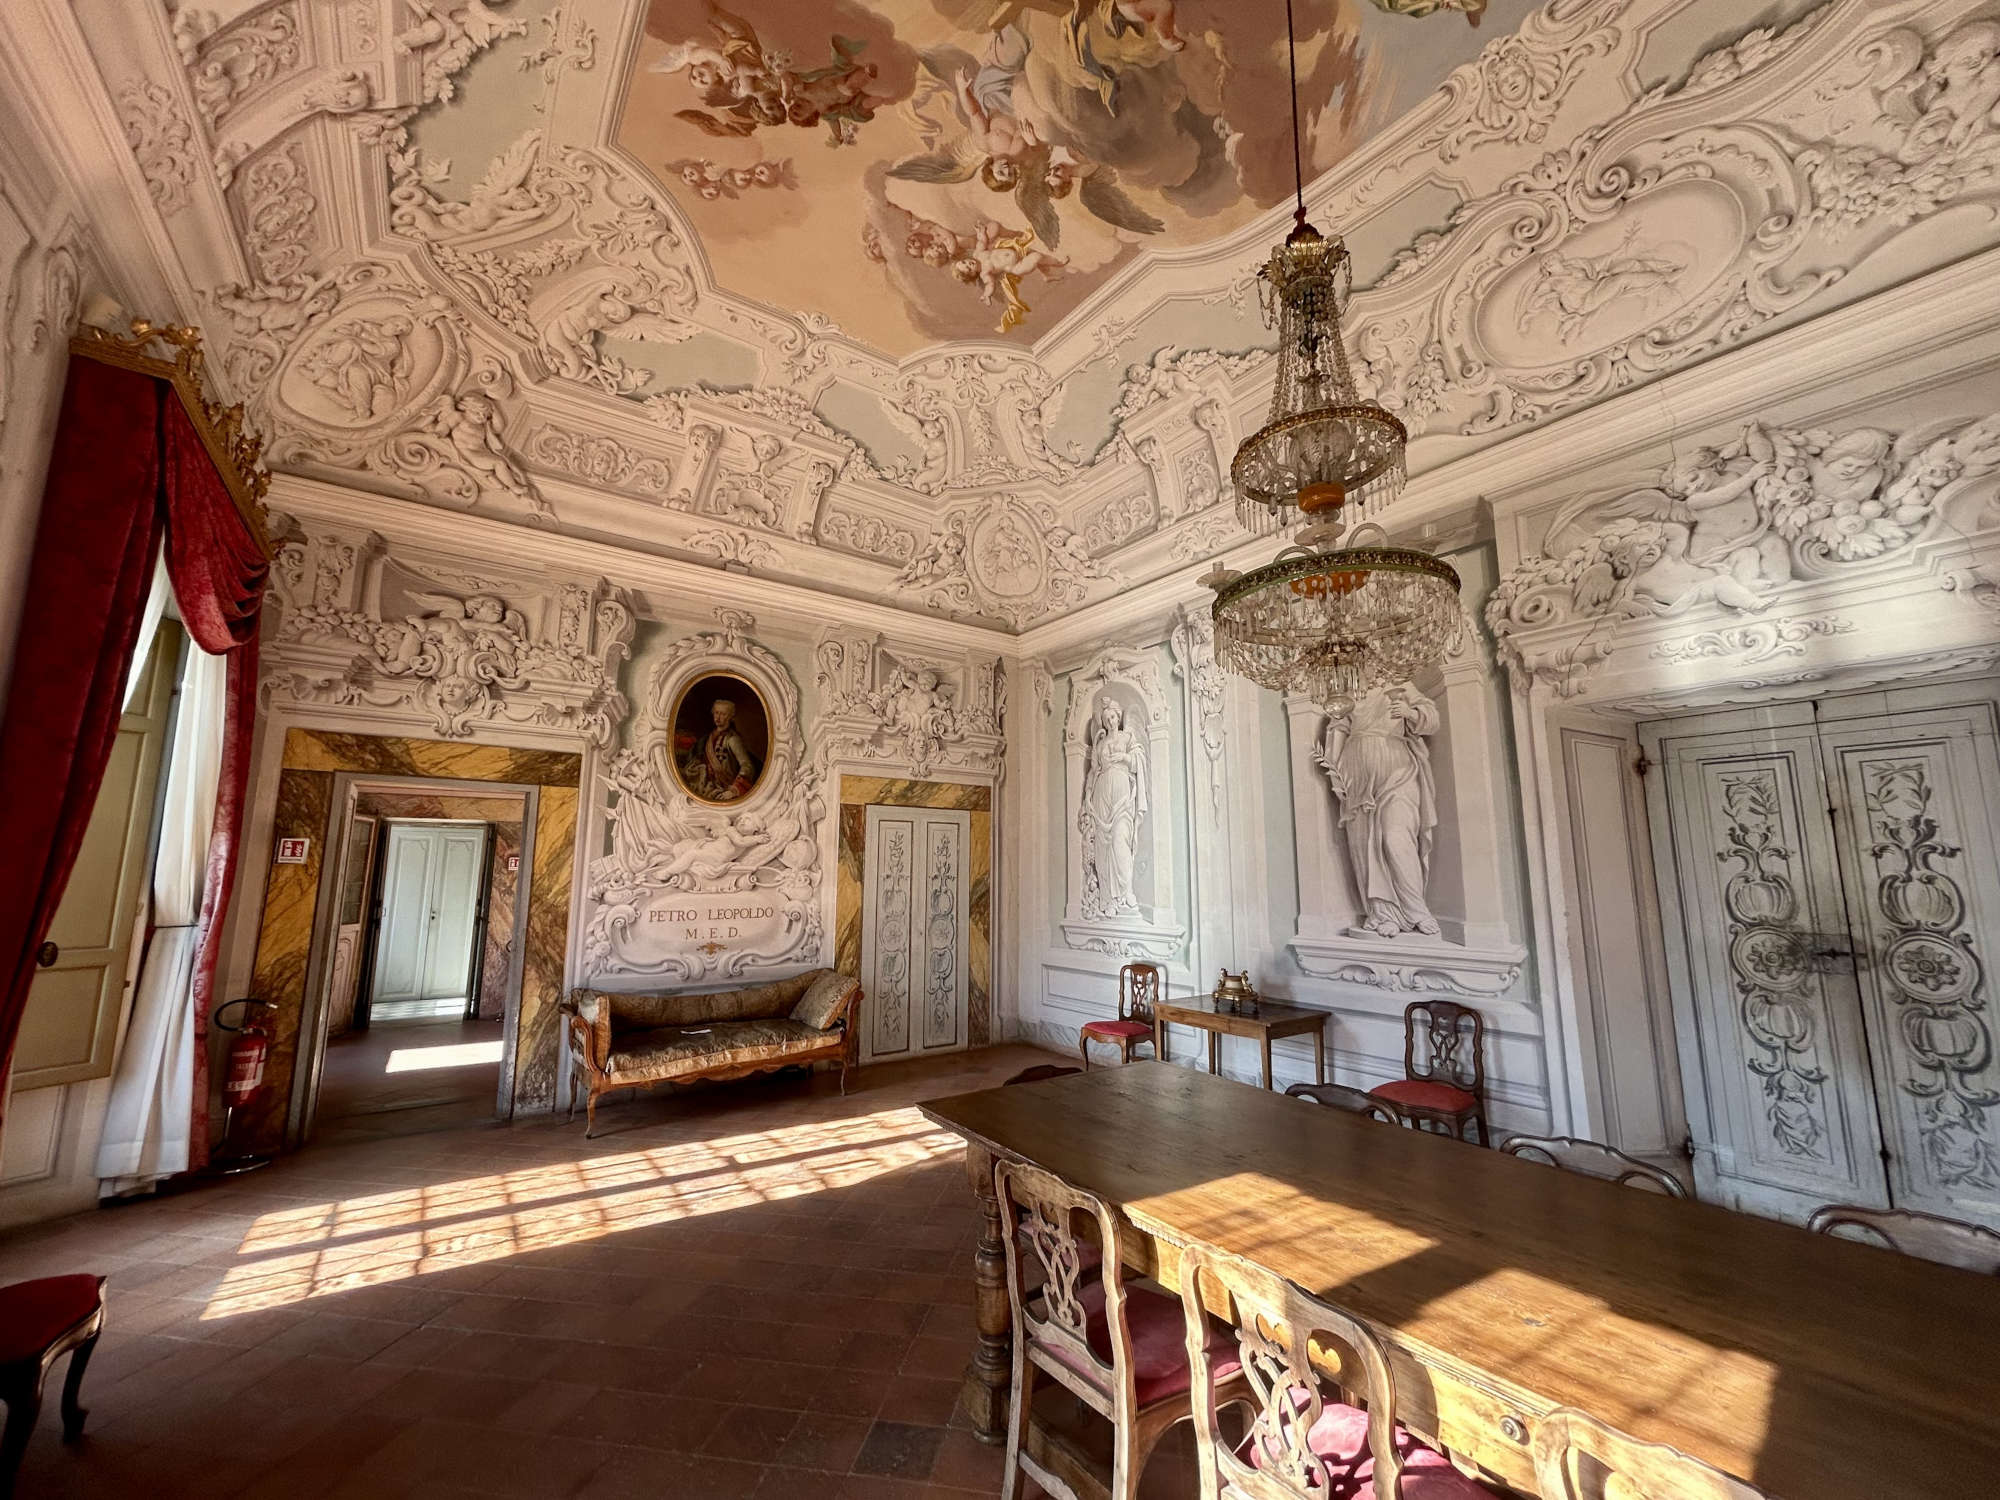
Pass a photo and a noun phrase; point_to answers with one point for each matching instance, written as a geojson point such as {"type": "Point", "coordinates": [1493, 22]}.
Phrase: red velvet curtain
{"type": "Point", "coordinates": [86, 590]}
{"type": "Point", "coordinates": [127, 463]}
{"type": "Point", "coordinates": [218, 571]}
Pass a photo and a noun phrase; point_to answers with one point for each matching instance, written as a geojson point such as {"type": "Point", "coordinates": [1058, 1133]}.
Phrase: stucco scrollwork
{"type": "Point", "coordinates": [1004, 557]}
{"type": "Point", "coordinates": [359, 630]}
{"type": "Point", "coordinates": [1733, 526]}
{"type": "Point", "coordinates": [1193, 644]}
{"type": "Point", "coordinates": [162, 142]}
{"type": "Point", "coordinates": [917, 713]}
{"type": "Point", "coordinates": [1657, 236]}
{"type": "Point", "coordinates": [444, 37]}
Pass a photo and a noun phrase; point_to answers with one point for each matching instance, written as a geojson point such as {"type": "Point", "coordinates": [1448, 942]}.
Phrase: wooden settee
{"type": "Point", "coordinates": [629, 1041]}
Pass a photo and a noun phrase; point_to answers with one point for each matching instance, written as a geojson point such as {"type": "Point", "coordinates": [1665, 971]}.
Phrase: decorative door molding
{"type": "Point", "coordinates": [1779, 1097]}
{"type": "Point", "coordinates": [916, 944]}
{"type": "Point", "coordinates": [1918, 806]}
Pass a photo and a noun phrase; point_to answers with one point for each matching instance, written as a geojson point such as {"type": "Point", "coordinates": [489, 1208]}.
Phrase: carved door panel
{"type": "Point", "coordinates": [915, 940]}
{"type": "Point", "coordinates": [1917, 801]}
{"type": "Point", "coordinates": [1781, 1105]}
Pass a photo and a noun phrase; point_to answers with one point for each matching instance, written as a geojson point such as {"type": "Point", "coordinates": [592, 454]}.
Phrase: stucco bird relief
{"type": "Point", "coordinates": [921, 170]}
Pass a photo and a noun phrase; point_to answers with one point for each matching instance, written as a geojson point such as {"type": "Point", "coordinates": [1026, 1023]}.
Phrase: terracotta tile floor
{"type": "Point", "coordinates": [758, 1289]}
{"type": "Point", "coordinates": [361, 1099]}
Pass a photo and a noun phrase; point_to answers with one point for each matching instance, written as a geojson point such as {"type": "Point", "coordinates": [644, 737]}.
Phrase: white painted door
{"type": "Point", "coordinates": [69, 1031]}
{"type": "Point", "coordinates": [1917, 801]}
{"type": "Point", "coordinates": [430, 905]}
{"type": "Point", "coordinates": [1835, 871]}
{"type": "Point", "coordinates": [915, 941]}
{"type": "Point", "coordinates": [1780, 1099]}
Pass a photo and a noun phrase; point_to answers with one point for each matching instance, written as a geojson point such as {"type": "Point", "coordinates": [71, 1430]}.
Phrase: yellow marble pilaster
{"type": "Point", "coordinates": [304, 799]}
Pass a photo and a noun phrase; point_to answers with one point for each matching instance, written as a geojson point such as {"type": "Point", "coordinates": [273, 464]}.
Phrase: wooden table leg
{"type": "Point", "coordinates": [1267, 1059]}
{"type": "Point", "coordinates": [984, 1393]}
{"type": "Point", "coordinates": [1159, 1039]}
{"type": "Point", "coordinates": [1215, 1053]}
{"type": "Point", "coordinates": [1319, 1053]}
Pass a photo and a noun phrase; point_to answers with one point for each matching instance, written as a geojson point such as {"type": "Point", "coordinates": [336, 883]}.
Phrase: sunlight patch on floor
{"type": "Point", "coordinates": [456, 1055]}
{"type": "Point", "coordinates": [320, 1249]}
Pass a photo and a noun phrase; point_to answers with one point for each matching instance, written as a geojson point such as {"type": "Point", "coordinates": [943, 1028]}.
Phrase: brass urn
{"type": "Point", "coordinates": [1236, 992]}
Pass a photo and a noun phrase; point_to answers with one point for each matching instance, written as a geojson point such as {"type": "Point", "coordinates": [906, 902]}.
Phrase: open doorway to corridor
{"type": "Point", "coordinates": [421, 977]}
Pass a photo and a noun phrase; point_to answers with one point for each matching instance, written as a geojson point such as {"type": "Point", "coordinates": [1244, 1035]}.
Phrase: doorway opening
{"type": "Point", "coordinates": [421, 981]}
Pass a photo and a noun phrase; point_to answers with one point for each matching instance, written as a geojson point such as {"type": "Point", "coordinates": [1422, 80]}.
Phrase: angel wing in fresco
{"type": "Point", "coordinates": [993, 143]}
{"type": "Point", "coordinates": [1098, 190]}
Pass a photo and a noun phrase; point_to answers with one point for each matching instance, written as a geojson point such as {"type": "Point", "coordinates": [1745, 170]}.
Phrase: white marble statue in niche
{"type": "Point", "coordinates": [1115, 798]}
{"type": "Point", "coordinates": [1377, 758]}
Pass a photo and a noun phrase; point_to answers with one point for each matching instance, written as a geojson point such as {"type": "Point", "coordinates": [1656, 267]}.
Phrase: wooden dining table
{"type": "Point", "coordinates": [1811, 1367]}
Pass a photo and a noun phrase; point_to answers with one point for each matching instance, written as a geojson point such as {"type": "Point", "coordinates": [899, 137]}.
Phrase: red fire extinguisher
{"type": "Point", "coordinates": [249, 1051]}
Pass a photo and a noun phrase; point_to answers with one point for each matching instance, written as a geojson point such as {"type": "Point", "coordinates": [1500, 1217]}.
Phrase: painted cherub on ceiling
{"type": "Point", "coordinates": [969, 148]}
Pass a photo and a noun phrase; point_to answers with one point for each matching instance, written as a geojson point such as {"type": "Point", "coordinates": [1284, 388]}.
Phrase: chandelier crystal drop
{"type": "Point", "coordinates": [1325, 621]}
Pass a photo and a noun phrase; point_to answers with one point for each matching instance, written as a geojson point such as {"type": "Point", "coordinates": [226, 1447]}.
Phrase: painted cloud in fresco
{"type": "Point", "coordinates": [988, 161]}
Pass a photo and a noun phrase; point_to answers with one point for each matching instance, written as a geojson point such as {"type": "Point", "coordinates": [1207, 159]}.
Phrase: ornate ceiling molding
{"type": "Point", "coordinates": [476, 335]}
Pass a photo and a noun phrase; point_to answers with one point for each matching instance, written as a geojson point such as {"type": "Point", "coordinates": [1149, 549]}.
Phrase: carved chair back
{"type": "Point", "coordinates": [1140, 987]}
{"type": "Point", "coordinates": [1340, 1096]}
{"type": "Point", "coordinates": [1454, 1048]}
{"type": "Point", "coordinates": [1048, 1273]}
{"type": "Point", "coordinates": [1579, 1458]}
{"type": "Point", "coordinates": [1926, 1236]}
{"type": "Point", "coordinates": [1285, 1339]}
{"type": "Point", "coordinates": [1594, 1159]}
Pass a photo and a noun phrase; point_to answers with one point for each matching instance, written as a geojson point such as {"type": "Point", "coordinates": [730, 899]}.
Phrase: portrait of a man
{"type": "Point", "coordinates": [721, 738]}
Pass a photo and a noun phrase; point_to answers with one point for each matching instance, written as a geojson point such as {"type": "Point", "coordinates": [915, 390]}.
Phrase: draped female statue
{"type": "Point", "coordinates": [1114, 799]}
{"type": "Point", "coordinates": [1379, 763]}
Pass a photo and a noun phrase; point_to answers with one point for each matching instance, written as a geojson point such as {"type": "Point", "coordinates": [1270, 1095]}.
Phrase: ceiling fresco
{"type": "Point", "coordinates": [727, 285]}
{"type": "Point", "coordinates": [915, 171]}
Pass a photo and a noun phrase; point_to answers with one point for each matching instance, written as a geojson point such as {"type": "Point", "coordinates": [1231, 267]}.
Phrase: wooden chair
{"type": "Point", "coordinates": [1594, 1159]}
{"type": "Point", "coordinates": [1040, 1072]}
{"type": "Point", "coordinates": [40, 1321]}
{"type": "Point", "coordinates": [1449, 1091]}
{"type": "Point", "coordinates": [1340, 1096]}
{"type": "Point", "coordinates": [1118, 1349]}
{"type": "Point", "coordinates": [1579, 1458]}
{"type": "Point", "coordinates": [1926, 1236]}
{"type": "Point", "coordinates": [1301, 1445]}
{"type": "Point", "coordinates": [1139, 985]}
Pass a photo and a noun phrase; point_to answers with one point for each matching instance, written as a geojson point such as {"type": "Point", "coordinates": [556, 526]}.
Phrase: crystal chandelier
{"type": "Point", "coordinates": [1326, 621]}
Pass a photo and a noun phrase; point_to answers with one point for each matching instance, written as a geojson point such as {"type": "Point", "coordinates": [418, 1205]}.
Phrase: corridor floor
{"type": "Point", "coordinates": [401, 1077]}
{"type": "Point", "coordinates": [750, 1290]}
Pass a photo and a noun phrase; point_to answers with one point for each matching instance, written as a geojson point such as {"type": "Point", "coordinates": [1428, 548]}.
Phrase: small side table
{"type": "Point", "coordinates": [1273, 1018]}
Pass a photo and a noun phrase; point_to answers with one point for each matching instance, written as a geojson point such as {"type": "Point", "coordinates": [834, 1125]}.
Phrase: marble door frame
{"type": "Point", "coordinates": [312, 760]}
{"type": "Point", "coordinates": [525, 798]}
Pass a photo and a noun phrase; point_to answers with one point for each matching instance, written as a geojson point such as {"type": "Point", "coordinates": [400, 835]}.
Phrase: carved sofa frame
{"type": "Point", "coordinates": [599, 1066]}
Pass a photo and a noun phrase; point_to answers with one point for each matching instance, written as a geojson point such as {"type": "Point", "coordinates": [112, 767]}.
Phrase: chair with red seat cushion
{"type": "Point", "coordinates": [39, 1322]}
{"type": "Point", "coordinates": [1302, 1442]}
{"type": "Point", "coordinates": [1118, 1349]}
{"type": "Point", "coordinates": [1449, 1090]}
{"type": "Point", "coordinates": [1139, 986]}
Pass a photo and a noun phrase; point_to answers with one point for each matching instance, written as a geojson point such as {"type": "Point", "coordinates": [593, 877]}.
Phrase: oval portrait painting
{"type": "Point", "coordinates": [722, 737]}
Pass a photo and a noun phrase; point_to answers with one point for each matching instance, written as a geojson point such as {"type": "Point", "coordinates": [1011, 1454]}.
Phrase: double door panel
{"type": "Point", "coordinates": [1832, 873]}
{"type": "Point", "coordinates": [915, 942]}
{"type": "Point", "coordinates": [431, 892]}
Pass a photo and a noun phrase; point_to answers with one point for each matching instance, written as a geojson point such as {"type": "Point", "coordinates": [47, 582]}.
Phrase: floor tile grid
{"type": "Point", "coordinates": [736, 1352]}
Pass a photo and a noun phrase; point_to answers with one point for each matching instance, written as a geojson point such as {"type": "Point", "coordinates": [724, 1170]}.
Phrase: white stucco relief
{"type": "Point", "coordinates": [694, 890]}
{"type": "Point", "coordinates": [365, 634]}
